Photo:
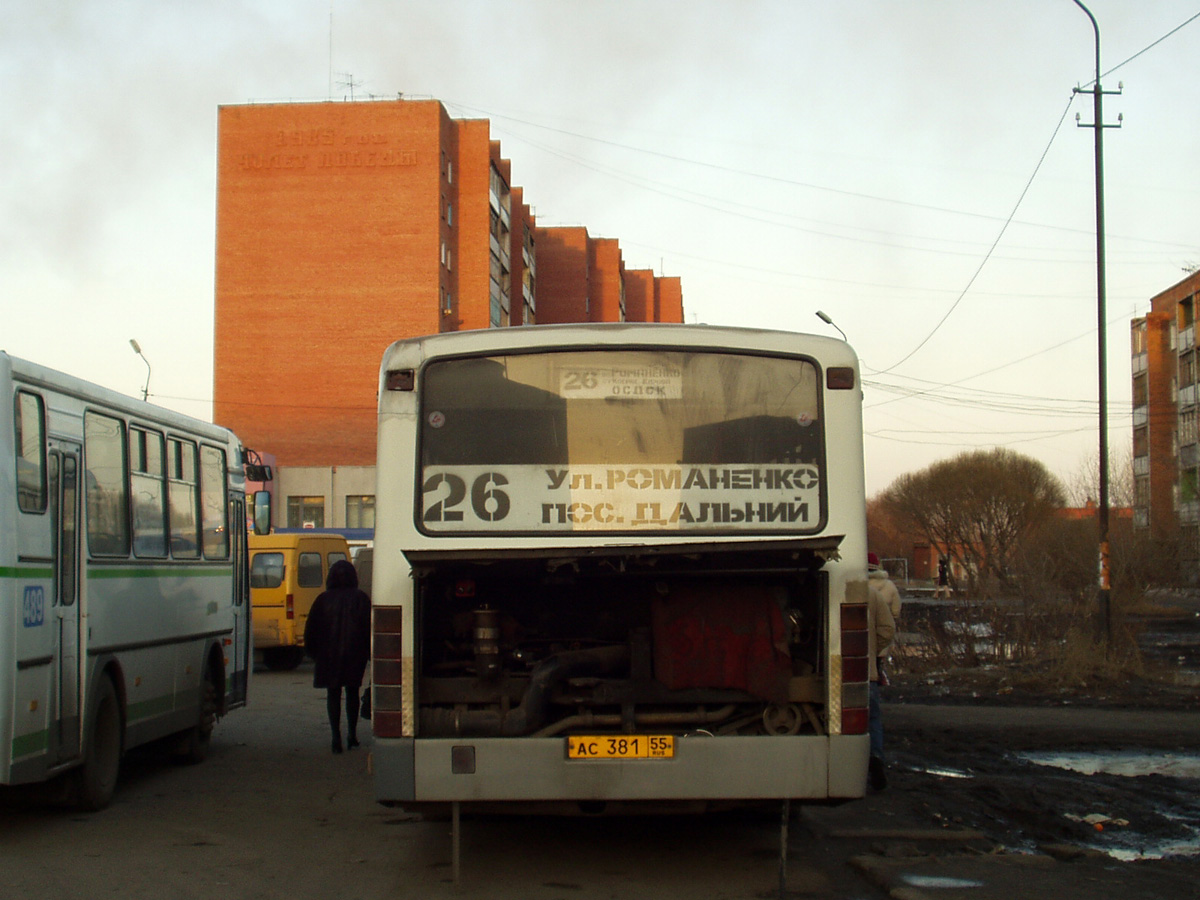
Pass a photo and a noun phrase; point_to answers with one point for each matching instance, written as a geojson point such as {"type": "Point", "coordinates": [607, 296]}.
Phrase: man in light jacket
{"type": "Point", "coordinates": [881, 626]}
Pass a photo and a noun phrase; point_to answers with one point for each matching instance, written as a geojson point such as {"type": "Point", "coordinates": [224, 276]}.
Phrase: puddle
{"type": "Point", "coordinates": [1132, 763]}
{"type": "Point", "coordinates": [941, 772]}
{"type": "Point", "coordinates": [938, 882]}
{"type": "Point", "coordinates": [1129, 847]}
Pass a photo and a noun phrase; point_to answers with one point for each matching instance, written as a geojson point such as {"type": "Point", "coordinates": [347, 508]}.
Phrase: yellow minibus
{"type": "Point", "coordinates": [287, 572]}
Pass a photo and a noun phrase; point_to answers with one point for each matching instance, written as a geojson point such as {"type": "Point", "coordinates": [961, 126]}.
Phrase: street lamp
{"type": "Point", "coordinates": [824, 317]}
{"type": "Point", "coordinates": [1102, 329]}
{"type": "Point", "coordinates": [138, 350]}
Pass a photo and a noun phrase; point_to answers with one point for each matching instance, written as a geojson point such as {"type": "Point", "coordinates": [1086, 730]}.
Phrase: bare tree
{"type": "Point", "coordinates": [1083, 484]}
{"type": "Point", "coordinates": [978, 506]}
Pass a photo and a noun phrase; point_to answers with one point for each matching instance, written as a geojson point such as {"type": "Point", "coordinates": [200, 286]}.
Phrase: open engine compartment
{"type": "Point", "coordinates": [724, 640]}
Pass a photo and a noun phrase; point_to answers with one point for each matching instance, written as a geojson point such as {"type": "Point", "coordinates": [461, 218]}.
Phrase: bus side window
{"type": "Point", "coordinates": [149, 498]}
{"type": "Point", "coordinates": [183, 499]}
{"type": "Point", "coordinates": [212, 503]}
{"type": "Point", "coordinates": [266, 570]}
{"type": "Point", "coordinates": [31, 453]}
{"type": "Point", "coordinates": [107, 485]}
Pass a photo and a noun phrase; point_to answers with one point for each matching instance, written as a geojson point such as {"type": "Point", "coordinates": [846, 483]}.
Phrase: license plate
{"type": "Point", "coordinates": [621, 746]}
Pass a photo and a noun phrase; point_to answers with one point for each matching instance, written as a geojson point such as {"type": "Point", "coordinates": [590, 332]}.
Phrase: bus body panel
{"type": "Point", "coordinates": [70, 617]}
{"type": "Point", "coordinates": [424, 577]}
{"type": "Point", "coordinates": [704, 768]}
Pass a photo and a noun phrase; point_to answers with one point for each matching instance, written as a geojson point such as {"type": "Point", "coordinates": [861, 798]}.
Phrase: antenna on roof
{"type": "Point", "coordinates": [347, 81]}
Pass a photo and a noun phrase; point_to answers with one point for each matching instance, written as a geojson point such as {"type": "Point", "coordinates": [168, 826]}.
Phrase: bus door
{"type": "Point", "coordinates": [240, 652]}
{"type": "Point", "coordinates": [64, 498]}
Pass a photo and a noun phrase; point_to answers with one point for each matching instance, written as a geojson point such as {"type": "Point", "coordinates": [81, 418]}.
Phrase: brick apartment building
{"type": "Point", "coordinates": [342, 227]}
{"type": "Point", "coordinates": [1166, 410]}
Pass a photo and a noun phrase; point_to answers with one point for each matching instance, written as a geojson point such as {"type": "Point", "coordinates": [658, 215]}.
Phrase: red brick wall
{"type": "Point", "coordinates": [472, 222]}
{"type": "Point", "coordinates": [639, 295]}
{"type": "Point", "coordinates": [327, 250]}
{"type": "Point", "coordinates": [1162, 421]}
{"type": "Point", "coordinates": [331, 223]}
{"type": "Point", "coordinates": [607, 279]}
{"type": "Point", "coordinates": [522, 219]}
{"type": "Point", "coordinates": [668, 300]}
{"type": "Point", "coordinates": [562, 268]}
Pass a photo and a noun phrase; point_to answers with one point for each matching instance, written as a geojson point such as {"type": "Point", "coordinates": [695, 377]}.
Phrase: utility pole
{"type": "Point", "coordinates": [1105, 592]}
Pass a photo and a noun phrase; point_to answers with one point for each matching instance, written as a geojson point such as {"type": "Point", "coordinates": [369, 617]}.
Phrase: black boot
{"type": "Point", "coordinates": [877, 774]}
{"type": "Point", "coordinates": [337, 743]}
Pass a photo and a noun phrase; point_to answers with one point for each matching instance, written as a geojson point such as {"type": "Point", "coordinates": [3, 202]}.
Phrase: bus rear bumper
{"type": "Point", "coordinates": [485, 770]}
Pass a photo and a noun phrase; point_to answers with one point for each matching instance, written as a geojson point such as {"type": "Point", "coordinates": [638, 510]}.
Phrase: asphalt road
{"type": "Point", "coordinates": [273, 814]}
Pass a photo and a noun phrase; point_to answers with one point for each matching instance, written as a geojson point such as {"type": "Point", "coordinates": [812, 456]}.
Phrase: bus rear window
{"type": "Point", "coordinates": [621, 441]}
{"type": "Point", "coordinates": [266, 570]}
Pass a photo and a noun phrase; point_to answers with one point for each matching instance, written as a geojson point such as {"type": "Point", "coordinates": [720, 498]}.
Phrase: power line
{"type": "Point", "coordinates": [991, 249]}
{"type": "Point", "coordinates": [1147, 47]}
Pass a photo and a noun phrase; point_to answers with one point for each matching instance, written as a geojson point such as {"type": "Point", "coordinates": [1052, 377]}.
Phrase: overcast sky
{"type": "Point", "coordinates": [863, 158]}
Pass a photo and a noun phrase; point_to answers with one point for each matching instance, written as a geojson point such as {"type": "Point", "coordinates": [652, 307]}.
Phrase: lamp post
{"type": "Point", "coordinates": [1102, 330]}
{"type": "Point", "coordinates": [138, 350]}
{"type": "Point", "coordinates": [824, 317]}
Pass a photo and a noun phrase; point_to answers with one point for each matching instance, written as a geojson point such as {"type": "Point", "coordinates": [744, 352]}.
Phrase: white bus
{"type": "Point", "coordinates": [124, 596]}
{"type": "Point", "coordinates": [617, 565]}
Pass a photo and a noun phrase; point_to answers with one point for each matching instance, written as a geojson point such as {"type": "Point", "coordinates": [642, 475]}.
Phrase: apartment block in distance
{"type": "Point", "coordinates": [343, 226]}
{"type": "Point", "coordinates": [1166, 420]}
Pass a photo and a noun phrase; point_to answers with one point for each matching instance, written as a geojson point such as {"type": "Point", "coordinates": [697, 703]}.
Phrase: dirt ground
{"type": "Point", "coordinates": [966, 807]}
{"type": "Point", "coordinates": [272, 814]}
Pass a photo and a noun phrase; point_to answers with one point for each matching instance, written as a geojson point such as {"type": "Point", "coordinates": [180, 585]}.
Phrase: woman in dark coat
{"type": "Point", "coordinates": [338, 637]}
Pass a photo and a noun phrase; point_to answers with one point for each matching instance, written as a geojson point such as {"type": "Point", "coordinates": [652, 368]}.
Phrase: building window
{"type": "Point", "coordinates": [1139, 339]}
{"type": "Point", "coordinates": [1188, 431]}
{"type": "Point", "coordinates": [1141, 442]}
{"type": "Point", "coordinates": [1141, 488]}
{"type": "Point", "coordinates": [305, 512]}
{"type": "Point", "coordinates": [1139, 391]}
{"type": "Point", "coordinates": [1187, 486]}
{"type": "Point", "coordinates": [360, 511]}
{"type": "Point", "coordinates": [450, 214]}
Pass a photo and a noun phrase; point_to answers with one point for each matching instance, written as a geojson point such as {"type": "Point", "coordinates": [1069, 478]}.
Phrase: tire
{"type": "Point", "coordinates": [96, 779]}
{"type": "Point", "coordinates": [193, 747]}
{"type": "Point", "coordinates": [283, 659]}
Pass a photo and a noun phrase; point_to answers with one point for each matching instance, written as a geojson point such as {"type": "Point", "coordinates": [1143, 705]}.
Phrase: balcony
{"type": "Point", "coordinates": [1140, 416]}
{"type": "Point", "coordinates": [1141, 465]}
{"type": "Point", "coordinates": [1139, 363]}
{"type": "Point", "coordinates": [1187, 395]}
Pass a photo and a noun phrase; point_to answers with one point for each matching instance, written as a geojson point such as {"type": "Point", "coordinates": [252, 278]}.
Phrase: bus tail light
{"type": "Point", "coordinates": [291, 607]}
{"type": "Point", "coordinates": [856, 668]}
{"type": "Point", "coordinates": [387, 672]}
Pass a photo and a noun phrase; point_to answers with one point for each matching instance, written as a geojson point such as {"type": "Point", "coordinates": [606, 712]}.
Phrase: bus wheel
{"type": "Point", "coordinates": [96, 778]}
{"type": "Point", "coordinates": [193, 747]}
{"type": "Point", "coordinates": [283, 659]}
